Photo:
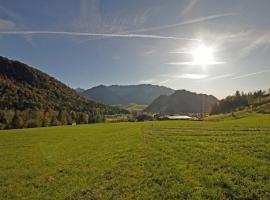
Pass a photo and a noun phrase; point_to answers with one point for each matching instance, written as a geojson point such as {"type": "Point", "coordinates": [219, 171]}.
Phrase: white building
{"type": "Point", "coordinates": [179, 117]}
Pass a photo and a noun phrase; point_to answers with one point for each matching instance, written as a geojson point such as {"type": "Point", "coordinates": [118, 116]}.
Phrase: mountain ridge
{"type": "Point", "coordinates": [142, 94]}
{"type": "Point", "coordinates": [182, 101]}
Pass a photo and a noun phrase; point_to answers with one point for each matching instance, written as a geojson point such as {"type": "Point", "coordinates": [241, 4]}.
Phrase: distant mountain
{"type": "Point", "coordinates": [79, 90]}
{"type": "Point", "coordinates": [182, 101]}
{"type": "Point", "coordinates": [31, 98]}
{"type": "Point", "coordinates": [114, 95]}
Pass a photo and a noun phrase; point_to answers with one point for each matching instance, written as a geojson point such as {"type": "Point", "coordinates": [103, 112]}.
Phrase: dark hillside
{"type": "Point", "coordinates": [25, 91]}
{"type": "Point", "coordinates": [182, 101]}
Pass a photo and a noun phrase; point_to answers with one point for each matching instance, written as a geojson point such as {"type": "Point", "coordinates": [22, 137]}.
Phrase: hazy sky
{"type": "Point", "coordinates": [85, 43]}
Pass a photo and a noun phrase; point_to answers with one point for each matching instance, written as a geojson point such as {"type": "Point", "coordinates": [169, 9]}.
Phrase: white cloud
{"type": "Point", "coordinates": [255, 40]}
{"type": "Point", "coordinates": [7, 25]}
{"type": "Point", "coordinates": [90, 18]}
{"type": "Point", "coordinates": [187, 22]}
{"type": "Point", "coordinates": [193, 76]}
{"type": "Point", "coordinates": [187, 76]}
{"type": "Point", "coordinates": [189, 7]}
{"type": "Point", "coordinates": [151, 51]}
{"type": "Point", "coordinates": [10, 14]}
{"type": "Point", "coordinates": [194, 63]}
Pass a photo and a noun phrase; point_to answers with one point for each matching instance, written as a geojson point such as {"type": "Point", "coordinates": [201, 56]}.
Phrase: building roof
{"type": "Point", "coordinates": [179, 117]}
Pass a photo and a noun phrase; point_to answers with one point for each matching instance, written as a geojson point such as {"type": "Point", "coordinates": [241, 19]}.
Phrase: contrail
{"type": "Point", "coordinates": [130, 35]}
{"type": "Point", "coordinates": [127, 34]}
{"type": "Point", "coordinates": [220, 77]}
{"type": "Point", "coordinates": [251, 74]}
{"type": "Point", "coordinates": [192, 21]}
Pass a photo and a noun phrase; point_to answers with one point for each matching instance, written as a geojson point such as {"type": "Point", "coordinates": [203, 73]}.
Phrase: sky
{"type": "Point", "coordinates": [205, 46]}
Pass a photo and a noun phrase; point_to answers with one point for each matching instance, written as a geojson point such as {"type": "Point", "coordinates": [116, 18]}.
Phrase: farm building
{"type": "Point", "coordinates": [173, 117]}
{"type": "Point", "coordinates": [179, 117]}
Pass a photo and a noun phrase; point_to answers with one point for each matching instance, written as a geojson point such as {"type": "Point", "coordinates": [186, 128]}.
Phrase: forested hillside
{"type": "Point", "coordinates": [182, 101]}
{"type": "Point", "coordinates": [258, 101]}
{"type": "Point", "coordinates": [31, 98]}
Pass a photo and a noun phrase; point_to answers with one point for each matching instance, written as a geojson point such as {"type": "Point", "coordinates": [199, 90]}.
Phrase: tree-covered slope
{"type": "Point", "coordinates": [258, 101]}
{"type": "Point", "coordinates": [182, 101]}
{"type": "Point", "coordinates": [25, 91]}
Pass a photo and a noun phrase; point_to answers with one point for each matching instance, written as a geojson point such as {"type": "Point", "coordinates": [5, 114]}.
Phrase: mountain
{"type": "Point", "coordinates": [31, 98]}
{"type": "Point", "coordinates": [182, 101]}
{"type": "Point", "coordinates": [142, 94]}
{"type": "Point", "coordinates": [79, 90]}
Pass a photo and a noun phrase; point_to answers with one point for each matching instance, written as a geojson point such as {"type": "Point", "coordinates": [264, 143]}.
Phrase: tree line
{"type": "Point", "coordinates": [240, 100]}
{"type": "Point", "coordinates": [10, 119]}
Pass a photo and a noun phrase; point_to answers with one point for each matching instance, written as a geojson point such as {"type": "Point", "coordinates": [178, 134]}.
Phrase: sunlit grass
{"type": "Point", "coordinates": [152, 160]}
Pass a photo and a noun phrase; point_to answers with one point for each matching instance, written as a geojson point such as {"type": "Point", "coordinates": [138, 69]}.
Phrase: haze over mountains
{"type": "Point", "coordinates": [182, 101]}
{"type": "Point", "coordinates": [142, 94]}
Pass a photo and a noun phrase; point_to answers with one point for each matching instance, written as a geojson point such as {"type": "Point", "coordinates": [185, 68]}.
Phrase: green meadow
{"type": "Point", "coordinates": [227, 159]}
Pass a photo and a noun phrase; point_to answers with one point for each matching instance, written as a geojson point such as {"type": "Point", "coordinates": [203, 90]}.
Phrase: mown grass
{"type": "Point", "coordinates": [152, 160]}
{"type": "Point", "coordinates": [116, 119]}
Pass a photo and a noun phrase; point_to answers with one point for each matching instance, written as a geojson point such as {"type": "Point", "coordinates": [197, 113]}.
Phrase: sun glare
{"type": "Point", "coordinates": [203, 55]}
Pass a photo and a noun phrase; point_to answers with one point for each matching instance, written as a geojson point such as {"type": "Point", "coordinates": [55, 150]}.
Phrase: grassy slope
{"type": "Point", "coordinates": [133, 107]}
{"type": "Point", "coordinates": [152, 160]}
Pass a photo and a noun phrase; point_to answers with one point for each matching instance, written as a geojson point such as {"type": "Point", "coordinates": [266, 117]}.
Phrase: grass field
{"type": "Point", "coordinates": [133, 107]}
{"type": "Point", "coordinates": [151, 160]}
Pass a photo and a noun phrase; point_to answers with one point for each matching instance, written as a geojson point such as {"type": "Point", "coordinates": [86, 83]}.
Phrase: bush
{"type": "Point", "coordinates": [32, 123]}
{"type": "Point", "coordinates": [2, 126]}
{"type": "Point", "coordinates": [144, 117]}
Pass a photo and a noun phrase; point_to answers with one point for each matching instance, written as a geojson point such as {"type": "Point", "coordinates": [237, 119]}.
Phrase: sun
{"type": "Point", "coordinates": [203, 55]}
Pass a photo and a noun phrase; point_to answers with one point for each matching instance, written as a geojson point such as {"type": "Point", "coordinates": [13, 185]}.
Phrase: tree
{"type": "Point", "coordinates": [144, 117]}
{"type": "Point", "coordinates": [54, 121]}
{"type": "Point", "coordinates": [32, 123]}
{"type": "Point", "coordinates": [83, 119]}
{"type": "Point", "coordinates": [17, 121]}
{"type": "Point", "coordinates": [62, 117]}
{"type": "Point", "coordinates": [46, 119]}
{"type": "Point", "coordinates": [69, 120]}
{"type": "Point", "coordinates": [2, 126]}
{"type": "Point", "coordinates": [230, 103]}
{"type": "Point", "coordinates": [73, 116]}
{"type": "Point", "coordinates": [7, 118]}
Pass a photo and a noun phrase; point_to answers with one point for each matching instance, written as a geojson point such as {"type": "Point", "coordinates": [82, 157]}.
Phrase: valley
{"type": "Point", "coordinates": [228, 159]}
{"type": "Point", "coordinates": [134, 100]}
